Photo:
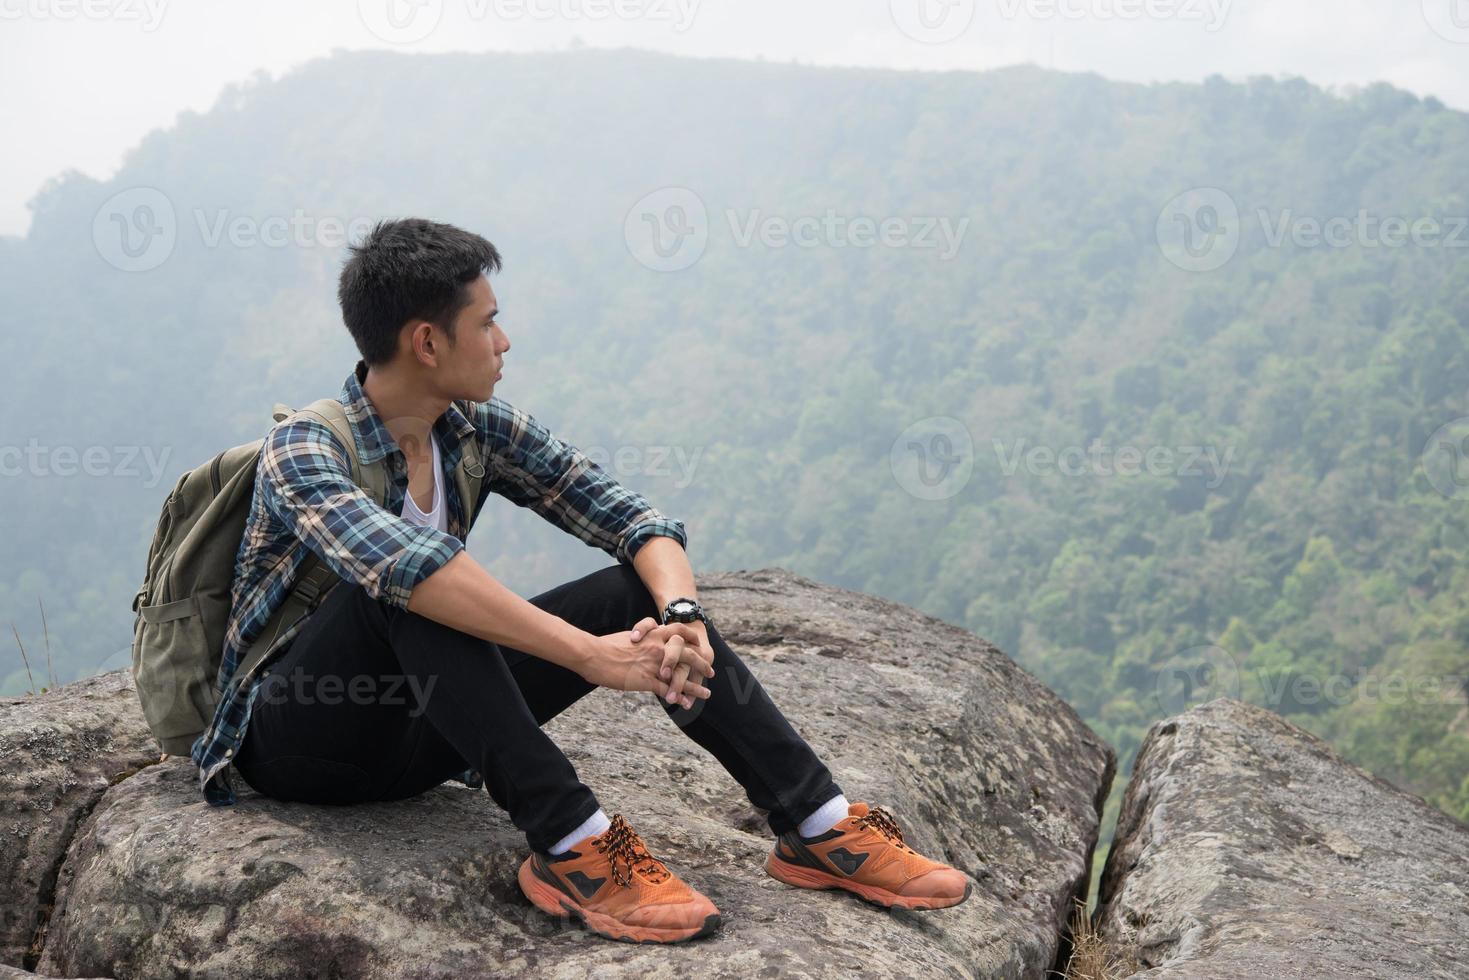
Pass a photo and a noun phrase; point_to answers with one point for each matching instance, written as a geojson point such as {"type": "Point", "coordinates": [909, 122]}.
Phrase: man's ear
{"type": "Point", "coordinates": [420, 337]}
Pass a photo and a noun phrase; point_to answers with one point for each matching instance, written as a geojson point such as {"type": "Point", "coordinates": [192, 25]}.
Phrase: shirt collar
{"type": "Point", "coordinates": [372, 436]}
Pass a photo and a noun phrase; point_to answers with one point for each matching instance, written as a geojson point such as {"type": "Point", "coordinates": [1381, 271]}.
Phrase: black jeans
{"type": "Point", "coordinates": [374, 702]}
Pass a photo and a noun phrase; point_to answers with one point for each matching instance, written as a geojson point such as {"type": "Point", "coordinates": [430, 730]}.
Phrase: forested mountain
{"type": "Point", "coordinates": [1146, 384]}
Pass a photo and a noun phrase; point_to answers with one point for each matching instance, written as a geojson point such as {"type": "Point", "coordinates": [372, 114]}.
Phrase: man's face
{"type": "Point", "coordinates": [470, 368]}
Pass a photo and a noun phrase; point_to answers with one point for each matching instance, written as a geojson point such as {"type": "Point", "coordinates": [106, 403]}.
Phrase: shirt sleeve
{"type": "Point", "coordinates": [307, 484]}
{"type": "Point", "coordinates": [535, 469]}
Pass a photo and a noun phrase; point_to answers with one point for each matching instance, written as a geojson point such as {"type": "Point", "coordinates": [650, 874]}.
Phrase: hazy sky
{"type": "Point", "coordinates": [84, 80]}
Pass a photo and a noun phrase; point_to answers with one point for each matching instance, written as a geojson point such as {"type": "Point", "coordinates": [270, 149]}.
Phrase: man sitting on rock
{"type": "Point", "coordinates": [450, 674]}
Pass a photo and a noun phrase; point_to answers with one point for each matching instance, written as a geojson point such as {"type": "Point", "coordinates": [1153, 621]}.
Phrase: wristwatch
{"type": "Point", "coordinates": [685, 610]}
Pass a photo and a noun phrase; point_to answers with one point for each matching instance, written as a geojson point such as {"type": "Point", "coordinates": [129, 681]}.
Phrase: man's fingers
{"type": "Point", "coordinates": [700, 659]}
{"type": "Point", "coordinates": [676, 688]}
{"type": "Point", "coordinates": [673, 651]}
{"type": "Point", "coordinates": [643, 627]}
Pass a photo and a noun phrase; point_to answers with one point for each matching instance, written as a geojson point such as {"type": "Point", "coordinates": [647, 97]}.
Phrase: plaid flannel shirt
{"type": "Point", "coordinates": [305, 498]}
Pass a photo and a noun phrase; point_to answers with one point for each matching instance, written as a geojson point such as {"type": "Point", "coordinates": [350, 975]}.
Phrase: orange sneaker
{"type": "Point", "coordinates": [865, 854]}
{"type": "Point", "coordinates": [610, 884]}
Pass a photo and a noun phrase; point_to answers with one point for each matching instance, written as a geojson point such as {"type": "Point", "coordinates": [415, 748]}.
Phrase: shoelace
{"type": "Point", "coordinates": [625, 852]}
{"type": "Point", "coordinates": [884, 823]}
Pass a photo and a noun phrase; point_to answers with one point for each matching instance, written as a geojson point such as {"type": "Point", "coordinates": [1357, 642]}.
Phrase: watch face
{"type": "Point", "coordinates": [681, 608]}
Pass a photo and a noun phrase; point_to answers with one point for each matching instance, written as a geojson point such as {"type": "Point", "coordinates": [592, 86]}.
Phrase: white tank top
{"type": "Point", "coordinates": [439, 518]}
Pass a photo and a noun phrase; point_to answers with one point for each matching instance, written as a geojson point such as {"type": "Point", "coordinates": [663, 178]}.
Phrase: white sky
{"type": "Point", "coordinates": [84, 80]}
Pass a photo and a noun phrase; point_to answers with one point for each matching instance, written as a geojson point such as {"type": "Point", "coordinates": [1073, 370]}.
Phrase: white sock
{"type": "Point", "coordinates": [589, 827]}
{"type": "Point", "coordinates": [825, 817]}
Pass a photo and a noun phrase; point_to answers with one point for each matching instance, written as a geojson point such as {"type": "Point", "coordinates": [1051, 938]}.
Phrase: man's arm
{"type": "Point", "coordinates": [308, 485]}
{"type": "Point", "coordinates": [663, 565]}
{"type": "Point", "coordinates": [307, 482]}
{"type": "Point", "coordinates": [533, 468]}
{"type": "Point", "coordinates": [465, 596]}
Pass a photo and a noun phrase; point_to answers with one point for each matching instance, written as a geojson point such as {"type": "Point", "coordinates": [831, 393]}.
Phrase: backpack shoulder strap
{"type": "Point", "coordinates": [469, 475]}
{"type": "Point", "coordinates": [314, 578]}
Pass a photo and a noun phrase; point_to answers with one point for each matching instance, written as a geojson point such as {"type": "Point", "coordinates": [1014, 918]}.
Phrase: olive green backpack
{"type": "Point", "coordinates": [183, 606]}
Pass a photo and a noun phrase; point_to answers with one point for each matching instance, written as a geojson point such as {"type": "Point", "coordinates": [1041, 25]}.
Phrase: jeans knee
{"type": "Point", "coordinates": [627, 584]}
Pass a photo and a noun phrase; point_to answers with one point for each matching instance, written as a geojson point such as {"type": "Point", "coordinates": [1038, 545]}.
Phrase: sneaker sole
{"type": "Point", "coordinates": [802, 877]}
{"type": "Point", "coordinates": [556, 903]}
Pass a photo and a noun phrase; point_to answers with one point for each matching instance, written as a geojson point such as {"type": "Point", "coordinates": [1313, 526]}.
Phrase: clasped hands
{"type": "Point", "coordinates": [670, 660]}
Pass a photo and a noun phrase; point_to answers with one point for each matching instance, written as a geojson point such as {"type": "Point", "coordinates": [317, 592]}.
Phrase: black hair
{"type": "Point", "coordinates": [409, 269]}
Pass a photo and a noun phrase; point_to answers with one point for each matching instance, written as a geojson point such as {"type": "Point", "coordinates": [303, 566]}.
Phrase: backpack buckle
{"type": "Point", "coordinates": [309, 589]}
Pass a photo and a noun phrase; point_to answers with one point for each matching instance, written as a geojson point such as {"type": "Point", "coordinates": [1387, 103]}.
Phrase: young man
{"type": "Point", "coordinates": [419, 666]}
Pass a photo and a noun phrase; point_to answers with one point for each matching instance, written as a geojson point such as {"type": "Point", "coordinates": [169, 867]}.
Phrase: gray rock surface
{"type": "Point", "coordinates": [1247, 848]}
{"type": "Point", "coordinates": [982, 765]}
{"type": "Point", "coordinates": [14, 973]}
{"type": "Point", "coordinates": [58, 752]}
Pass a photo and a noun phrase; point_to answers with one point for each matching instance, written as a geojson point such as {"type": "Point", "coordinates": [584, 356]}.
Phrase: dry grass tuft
{"type": "Point", "coordinates": [1092, 957]}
